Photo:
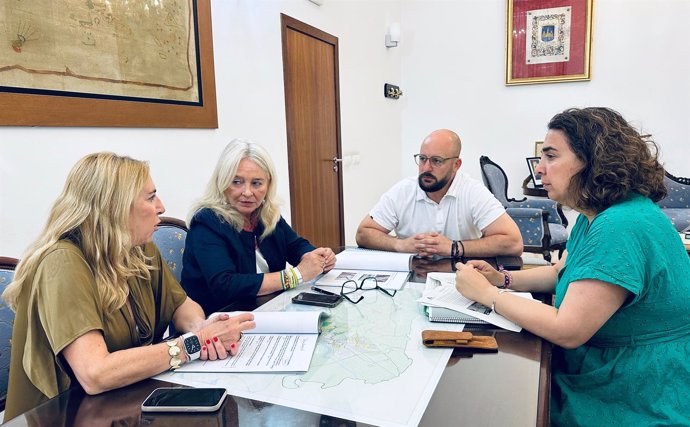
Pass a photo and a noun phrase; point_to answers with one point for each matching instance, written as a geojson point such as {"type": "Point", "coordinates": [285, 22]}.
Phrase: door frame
{"type": "Point", "coordinates": [289, 23]}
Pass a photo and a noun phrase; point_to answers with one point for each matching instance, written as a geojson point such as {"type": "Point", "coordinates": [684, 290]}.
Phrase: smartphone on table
{"type": "Point", "coordinates": [176, 399]}
{"type": "Point", "coordinates": [321, 300]}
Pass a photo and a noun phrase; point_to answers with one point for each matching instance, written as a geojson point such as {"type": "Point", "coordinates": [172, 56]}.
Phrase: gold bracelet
{"type": "Point", "coordinates": [174, 351]}
{"type": "Point", "coordinates": [493, 303]}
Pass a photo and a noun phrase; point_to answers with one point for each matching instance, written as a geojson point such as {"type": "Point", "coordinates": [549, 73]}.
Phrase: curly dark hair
{"type": "Point", "coordinates": [618, 160]}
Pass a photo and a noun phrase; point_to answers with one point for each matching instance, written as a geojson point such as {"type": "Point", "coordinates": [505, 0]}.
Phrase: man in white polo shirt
{"type": "Point", "coordinates": [442, 211]}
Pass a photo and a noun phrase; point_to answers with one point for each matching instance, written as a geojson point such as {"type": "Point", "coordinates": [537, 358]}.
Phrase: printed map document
{"type": "Point", "coordinates": [440, 292]}
{"type": "Point", "coordinates": [391, 269]}
{"type": "Point", "coordinates": [281, 342]}
{"type": "Point", "coordinates": [369, 365]}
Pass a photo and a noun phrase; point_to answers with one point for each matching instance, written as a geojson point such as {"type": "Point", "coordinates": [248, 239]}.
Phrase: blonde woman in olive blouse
{"type": "Point", "coordinates": [92, 297]}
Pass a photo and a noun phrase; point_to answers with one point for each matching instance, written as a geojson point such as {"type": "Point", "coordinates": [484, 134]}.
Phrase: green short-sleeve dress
{"type": "Point", "coordinates": [60, 303]}
{"type": "Point", "coordinates": [636, 369]}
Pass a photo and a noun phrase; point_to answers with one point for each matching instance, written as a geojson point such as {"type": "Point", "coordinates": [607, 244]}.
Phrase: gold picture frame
{"type": "Point", "coordinates": [548, 43]}
{"type": "Point", "coordinates": [30, 107]}
{"type": "Point", "coordinates": [537, 148]}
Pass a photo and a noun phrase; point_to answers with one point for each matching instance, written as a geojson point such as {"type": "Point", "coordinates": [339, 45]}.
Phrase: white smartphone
{"type": "Point", "coordinates": [171, 399]}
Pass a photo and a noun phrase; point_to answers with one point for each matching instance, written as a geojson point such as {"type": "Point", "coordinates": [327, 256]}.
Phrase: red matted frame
{"type": "Point", "coordinates": [525, 15]}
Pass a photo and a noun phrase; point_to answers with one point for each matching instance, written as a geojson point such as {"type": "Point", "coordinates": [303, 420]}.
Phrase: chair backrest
{"type": "Point", "coordinates": [495, 179]}
{"type": "Point", "coordinates": [170, 239]}
{"type": "Point", "coordinates": [7, 266]}
{"type": "Point", "coordinates": [676, 204]}
{"type": "Point", "coordinates": [678, 192]}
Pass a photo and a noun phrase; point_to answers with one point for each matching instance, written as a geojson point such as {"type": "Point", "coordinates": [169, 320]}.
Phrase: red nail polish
{"type": "Point", "coordinates": [203, 348]}
{"type": "Point", "coordinates": [208, 342]}
{"type": "Point", "coordinates": [232, 345]}
{"type": "Point", "coordinates": [215, 339]}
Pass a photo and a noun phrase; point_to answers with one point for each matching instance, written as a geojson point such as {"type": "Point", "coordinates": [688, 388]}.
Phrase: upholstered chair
{"type": "Point", "coordinates": [541, 221]}
{"type": "Point", "coordinates": [676, 204]}
{"type": "Point", "coordinates": [170, 239]}
{"type": "Point", "coordinates": [7, 266]}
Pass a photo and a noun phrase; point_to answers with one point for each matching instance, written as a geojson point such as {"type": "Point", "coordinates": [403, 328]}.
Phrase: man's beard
{"type": "Point", "coordinates": [433, 187]}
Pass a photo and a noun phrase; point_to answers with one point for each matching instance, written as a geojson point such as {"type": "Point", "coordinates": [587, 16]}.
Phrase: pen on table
{"type": "Point", "coordinates": [323, 291]}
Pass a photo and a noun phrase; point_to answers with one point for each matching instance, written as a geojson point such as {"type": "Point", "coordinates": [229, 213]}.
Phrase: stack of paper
{"type": "Point", "coordinates": [391, 269]}
{"type": "Point", "coordinates": [281, 342]}
{"type": "Point", "coordinates": [440, 292]}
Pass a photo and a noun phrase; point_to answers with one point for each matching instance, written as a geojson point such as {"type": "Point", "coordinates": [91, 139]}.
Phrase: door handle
{"type": "Point", "coordinates": [335, 161]}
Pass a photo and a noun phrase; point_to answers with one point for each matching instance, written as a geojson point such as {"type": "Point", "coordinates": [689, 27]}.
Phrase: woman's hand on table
{"type": "Point", "coordinates": [328, 258]}
{"type": "Point", "coordinates": [494, 276]}
{"type": "Point", "coordinates": [311, 265]}
{"type": "Point", "coordinates": [472, 283]}
{"type": "Point", "coordinates": [220, 334]}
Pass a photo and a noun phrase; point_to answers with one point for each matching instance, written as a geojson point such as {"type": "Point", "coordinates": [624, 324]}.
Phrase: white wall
{"type": "Point", "coordinates": [453, 67]}
{"type": "Point", "coordinates": [450, 65]}
{"type": "Point", "coordinates": [249, 83]}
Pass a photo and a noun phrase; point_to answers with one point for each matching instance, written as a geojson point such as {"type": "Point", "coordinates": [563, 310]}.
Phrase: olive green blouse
{"type": "Point", "coordinates": [59, 303]}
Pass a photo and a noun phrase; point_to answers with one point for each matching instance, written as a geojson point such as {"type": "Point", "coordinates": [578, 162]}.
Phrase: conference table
{"type": "Point", "coordinates": [508, 387]}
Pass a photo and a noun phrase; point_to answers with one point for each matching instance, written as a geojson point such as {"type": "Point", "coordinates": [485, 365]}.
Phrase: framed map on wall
{"type": "Point", "coordinates": [143, 63]}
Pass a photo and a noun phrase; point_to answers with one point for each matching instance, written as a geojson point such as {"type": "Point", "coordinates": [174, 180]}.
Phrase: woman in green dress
{"type": "Point", "coordinates": [621, 314]}
{"type": "Point", "coordinates": [92, 297]}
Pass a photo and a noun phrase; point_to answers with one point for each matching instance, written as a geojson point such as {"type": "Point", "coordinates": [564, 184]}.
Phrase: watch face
{"type": "Point", "coordinates": [192, 344]}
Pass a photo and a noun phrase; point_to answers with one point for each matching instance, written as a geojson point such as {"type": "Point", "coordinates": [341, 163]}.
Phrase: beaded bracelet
{"type": "Point", "coordinates": [174, 351]}
{"type": "Point", "coordinates": [463, 249]}
{"type": "Point", "coordinates": [290, 278]}
{"type": "Point", "coordinates": [507, 278]}
{"type": "Point", "coordinates": [285, 279]}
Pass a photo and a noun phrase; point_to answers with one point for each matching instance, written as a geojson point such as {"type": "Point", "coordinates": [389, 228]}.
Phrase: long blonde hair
{"type": "Point", "coordinates": [225, 171]}
{"type": "Point", "coordinates": [94, 208]}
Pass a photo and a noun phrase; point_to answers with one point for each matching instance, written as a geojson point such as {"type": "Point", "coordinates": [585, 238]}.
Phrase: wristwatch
{"type": "Point", "coordinates": [192, 346]}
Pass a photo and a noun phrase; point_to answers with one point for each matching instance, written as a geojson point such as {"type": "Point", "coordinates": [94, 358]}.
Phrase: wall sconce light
{"type": "Point", "coordinates": [393, 35]}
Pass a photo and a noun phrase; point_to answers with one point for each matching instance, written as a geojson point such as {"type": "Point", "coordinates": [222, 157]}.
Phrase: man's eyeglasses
{"type": "Point", "coordinates": [436, 161]}
{"type": "Point", "coordinates": [366, 284]}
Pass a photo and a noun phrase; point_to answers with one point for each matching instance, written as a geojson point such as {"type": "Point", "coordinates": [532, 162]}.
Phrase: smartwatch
{"type": "Point", "coordinates": [192, 346]}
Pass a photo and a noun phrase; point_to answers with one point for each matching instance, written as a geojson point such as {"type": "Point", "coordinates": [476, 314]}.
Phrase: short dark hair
{"type": "Point", "coordinates": [617, 158]}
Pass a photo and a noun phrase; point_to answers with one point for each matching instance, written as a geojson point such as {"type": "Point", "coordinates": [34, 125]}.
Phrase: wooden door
{"type": "Point", "coordinates": [310, 70]}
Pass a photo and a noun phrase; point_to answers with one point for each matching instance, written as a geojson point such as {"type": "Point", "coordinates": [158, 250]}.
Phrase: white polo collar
{"type": "Point", "coordinates": [421, 194]}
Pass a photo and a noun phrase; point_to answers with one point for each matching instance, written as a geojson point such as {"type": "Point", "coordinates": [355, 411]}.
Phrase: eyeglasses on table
{"type": "Point", "coordinates": [366, 284]}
